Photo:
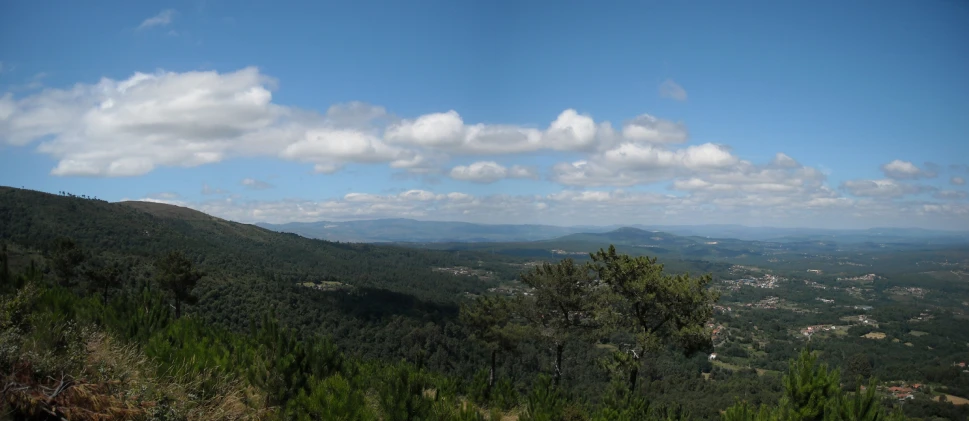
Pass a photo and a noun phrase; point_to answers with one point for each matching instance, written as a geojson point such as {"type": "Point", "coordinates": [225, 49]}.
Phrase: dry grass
{"type": "Point", "coordinates": [765, 372]}
{"type": "Point", "coordinates": [66, 397]}
{"type": "Point", "coordinates": [954, 399]}
{"type": "Point", "coordinates": [117, 382]}
{"type": "Point", "coordinates": [233, 399]}
{"type": "Point", "coordinates": [874, 335]}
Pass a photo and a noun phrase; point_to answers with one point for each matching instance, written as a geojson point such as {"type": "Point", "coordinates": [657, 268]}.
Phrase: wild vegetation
{"type": "Point", "coordinates": [91, 329]}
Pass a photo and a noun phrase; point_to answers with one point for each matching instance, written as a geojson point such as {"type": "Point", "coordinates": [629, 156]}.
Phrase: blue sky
{"type": "Point", "coordinates": [500, 111]}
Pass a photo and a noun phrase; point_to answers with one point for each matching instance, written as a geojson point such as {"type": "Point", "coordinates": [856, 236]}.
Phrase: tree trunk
{"type": "Point", "coordinates": [178, 309]}
{"type": "Point", "coordinates": [633, 376]}
{"type": "Point", "coordinates": [491, 376]}
{"type": "Point", "coordinates": [558, 363]}
{"type": "Point", "coordinates": [105, 295]}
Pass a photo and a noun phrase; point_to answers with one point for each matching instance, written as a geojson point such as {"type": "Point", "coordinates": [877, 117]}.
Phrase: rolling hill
{"type": "Point", "coordinates": [145, 231]}
{"type": "Point", "coordinates": [414, 231]}
{"type": "Point", "coordinates": [674, 248]}
{"type": "Point", "coordinates": [410, 230]}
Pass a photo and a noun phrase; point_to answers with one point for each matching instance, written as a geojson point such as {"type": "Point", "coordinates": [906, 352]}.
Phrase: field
{"type": "Point", "coordinates": [954, 399]}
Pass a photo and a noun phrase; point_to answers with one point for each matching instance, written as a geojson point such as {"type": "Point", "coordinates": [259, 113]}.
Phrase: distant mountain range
{"type": "Point", "coordinates": [414, 231]}
{"type": "Point", "coordinates": [410, 230]}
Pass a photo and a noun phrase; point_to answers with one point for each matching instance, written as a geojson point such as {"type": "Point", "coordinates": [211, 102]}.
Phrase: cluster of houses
{"type": "Point", "coordinates": [905, 392]}
{"type": "Point", "coordinates": [457, 270]}
{"type": "Point", "coordinates": [857, 292]}
{"type": "Point", "coordinates": [813, 284]}
{"type": "Point", "coordinates": [503, 290]}
{"type": "Point", "coordinates": [766, 281]}
{"type": "Point", "coordinates": [865, 278]}
{"type": "Point", "coordinates": [810, 330]}
{"type": "Point", "coordinates": [716, 331]}
{"type": "Point", "coordinates": [902, 392]}
{"type": "Point", "coordinates": [913, 291]}
{"type": "Point", "coordinates": [568, 253]}
{"type": "Point", "coordinates": [923, 316]}
{"type": "Point", "coordinates": [769, 303]}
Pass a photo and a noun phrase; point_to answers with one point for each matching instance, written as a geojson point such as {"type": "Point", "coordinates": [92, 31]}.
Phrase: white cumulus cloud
{"type": "Point", "coordinates": [632, 163]}
{"type": "Point", "coordinates": [132, 126]}
{"type": "Point", "coordinates": [904, 170]}
{"type": "Point", "coordinates": [569, 207]}
{"type": "Point", "coordinates": [649, 129]}
{"type": "Point", "coordinates": [883, 188]}
{"type": "Point", "coordinates": [489, 172]}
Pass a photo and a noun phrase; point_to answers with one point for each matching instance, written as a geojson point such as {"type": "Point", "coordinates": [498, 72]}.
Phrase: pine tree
{"type": "Point", "coordinates": [859, 406]}
{"type": "Point", "coordinates": [809, 387]}
{"type": "Point", "coordinates": [559, 304]}
{"type": "Point", "coordinates": [67, 257]}
{"type": "Point", "coordinates": [178, 275]}
{"type": "Point", "coordinates": [490, 320]}
{"type": "Point", "coordinates": [812, 392]}
{"type": "Point", "coordinates": [4, 267]}
{"type": "Point", "coordinates": [654, 309]}
{"type": "Point", "coordinates": [103, 277]}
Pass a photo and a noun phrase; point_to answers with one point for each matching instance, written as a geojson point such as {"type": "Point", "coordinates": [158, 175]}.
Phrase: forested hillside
{"type": "Point", "coordinates": [143, 230]}
{"type": "Point", "coordinates": [147, 311]}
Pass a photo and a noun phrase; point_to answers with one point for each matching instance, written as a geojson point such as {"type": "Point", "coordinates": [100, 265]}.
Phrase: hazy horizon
{"type": "Point", "coordinates": [651, 114]}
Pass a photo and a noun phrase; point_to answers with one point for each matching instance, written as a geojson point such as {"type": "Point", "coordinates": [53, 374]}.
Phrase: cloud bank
{"type": "Point", "coordinates": [133, 126]}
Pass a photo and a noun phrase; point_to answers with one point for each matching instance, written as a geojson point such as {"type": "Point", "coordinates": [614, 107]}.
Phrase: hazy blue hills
{"type": "Point", "coordinates": [414, 231]}
{"type": "Point", "coordinates": [410, 230]}
{"type": "Point", "coordinates": [735, 243]}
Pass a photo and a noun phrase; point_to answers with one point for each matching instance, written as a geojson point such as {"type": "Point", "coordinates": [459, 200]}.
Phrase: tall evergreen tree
{"type": "Point", "coordinates": [809, 387]}
{"type": "Point", "coordinates": [65, 260]}
{"type": "Point", "coordinates": [4, 267]}
{"type": "Point", "coordinates": [490, 320]}
{"type": "Point", "coordinates": [103, 277]}
{"type": "Point", "coordinates": [559, 304]}
{"type": "Point", "coordinates": [178, 275]}
{"type": "Point", "coordinates": [654, 309]}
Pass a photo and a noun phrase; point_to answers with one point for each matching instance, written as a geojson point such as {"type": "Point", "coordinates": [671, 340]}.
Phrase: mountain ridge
{"type": "Point", "coordinates": [147, 230]}
{"type": "Point", "coordinates": [412, 230]}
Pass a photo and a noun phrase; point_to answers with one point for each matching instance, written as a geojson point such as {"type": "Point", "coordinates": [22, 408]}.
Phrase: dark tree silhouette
{"type": "Point", "coordinates": [4, 267]}
{"type": "Point", "coordinates": [103, 277]}
{"type": "Point", "coordinates": [178, 275]}
{"type": "Point", "coordinates": [66, 258]}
